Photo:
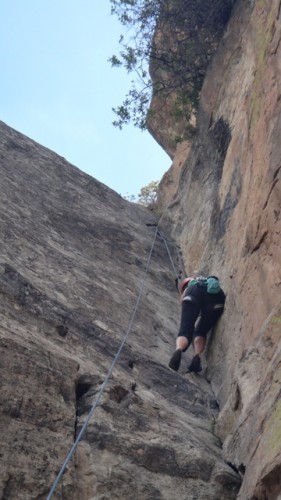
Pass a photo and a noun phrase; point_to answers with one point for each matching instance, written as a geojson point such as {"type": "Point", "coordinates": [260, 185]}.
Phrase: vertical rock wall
{"type": "Point", "coordinates": [226, 216]}
{"type": "Point", "coordinates": [73, 261]}
{"type": "Point", "coordinates": [72, 258]}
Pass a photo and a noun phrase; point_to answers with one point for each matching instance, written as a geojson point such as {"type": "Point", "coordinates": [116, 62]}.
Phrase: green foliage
{"type": "Point", "coordinates": [175, 39]}
{"type": "Point", "coordinates": [130, 197]}
{"type": "Point", "coordinates": [147, 195]}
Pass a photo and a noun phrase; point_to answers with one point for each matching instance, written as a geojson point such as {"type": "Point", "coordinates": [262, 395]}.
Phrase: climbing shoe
{"type": "Point", "coordinates": [195, 365]}
{"type": "Point", "coordinates": [175, 360]}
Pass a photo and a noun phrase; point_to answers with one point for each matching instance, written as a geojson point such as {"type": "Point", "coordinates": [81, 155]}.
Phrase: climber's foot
{"type": "Point", "coordinates": [175, 360]}
{"type": "Point", "coordinates": [195, 365]}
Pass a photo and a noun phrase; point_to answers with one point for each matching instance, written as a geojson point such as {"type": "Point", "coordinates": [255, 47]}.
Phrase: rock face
{"type": "Point", "coordinates": [226, 216]}
{"type": "Point", "coordinates": [80, 267]}
{"type": "Point", "coordinates": [186, 36]}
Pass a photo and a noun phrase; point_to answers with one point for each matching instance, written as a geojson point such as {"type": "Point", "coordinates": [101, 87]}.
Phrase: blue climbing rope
{"type": "Point", "coordinates": [97, 400]}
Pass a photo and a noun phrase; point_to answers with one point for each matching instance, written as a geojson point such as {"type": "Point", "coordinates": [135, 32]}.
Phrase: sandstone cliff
{"type": "Point", "coordinates": [226, 215]}
{"type": "Point", "coordinates": [74, 257]}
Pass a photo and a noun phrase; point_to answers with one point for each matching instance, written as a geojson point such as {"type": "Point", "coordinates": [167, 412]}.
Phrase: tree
{"type": "Point", "coordinates": [147, 195]}
{"type": "Point", "coordinates": [169, 42]}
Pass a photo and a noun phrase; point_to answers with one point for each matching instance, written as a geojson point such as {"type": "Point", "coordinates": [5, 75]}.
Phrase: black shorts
{"type": "Point", "coordinates": [207, 320]}
{"type": "Point", "coordinates": [190, 312]}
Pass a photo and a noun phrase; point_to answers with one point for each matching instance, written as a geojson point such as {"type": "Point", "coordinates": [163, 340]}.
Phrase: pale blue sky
{"type": "Point", "coordinates": [58, 88]}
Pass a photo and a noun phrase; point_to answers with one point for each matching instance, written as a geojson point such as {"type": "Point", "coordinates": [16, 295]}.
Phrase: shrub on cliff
{"type": "Point", "coordinates": [169, 42]}
{"type": "Point", "coordinates": [147, 195]}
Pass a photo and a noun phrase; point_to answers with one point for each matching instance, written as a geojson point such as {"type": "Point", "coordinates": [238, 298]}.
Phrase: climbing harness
{"type": "Point", "coordinates": [98, 397]}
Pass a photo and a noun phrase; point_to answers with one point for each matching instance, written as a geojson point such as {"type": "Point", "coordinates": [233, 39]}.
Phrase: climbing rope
{"type": "Point", "coordinates": [168, 251]}
{"type": "Point", "coordinates": [96, 402]}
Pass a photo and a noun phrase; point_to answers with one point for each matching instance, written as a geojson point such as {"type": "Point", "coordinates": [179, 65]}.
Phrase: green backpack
{"type": "Point", "coordinates": [211, 284]}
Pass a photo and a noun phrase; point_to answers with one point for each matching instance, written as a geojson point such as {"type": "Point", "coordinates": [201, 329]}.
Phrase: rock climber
{"type": "Point", "coordinates": [202, 297]}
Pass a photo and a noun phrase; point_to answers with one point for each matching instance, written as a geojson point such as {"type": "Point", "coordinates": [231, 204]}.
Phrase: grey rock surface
{"type": "Point", "coordinates": [73, 260]}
